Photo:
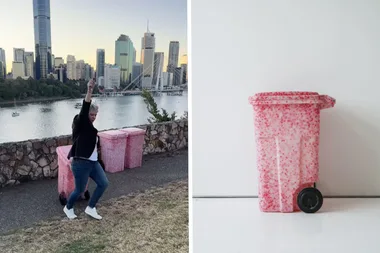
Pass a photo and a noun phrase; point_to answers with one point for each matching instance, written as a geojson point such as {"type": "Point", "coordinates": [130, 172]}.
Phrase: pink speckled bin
{"type": "Point", "coordinates": [287, 127]}
{"type": "Point", "coordinates": [134, 150]}
{"type": "Point", "coordinates": [112, 144]}
{"type": "Point", "coordinates": [66, 183]}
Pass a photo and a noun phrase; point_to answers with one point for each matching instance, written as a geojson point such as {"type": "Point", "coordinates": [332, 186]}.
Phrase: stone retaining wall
{"type": "Point", "coordinates": [37, 159]}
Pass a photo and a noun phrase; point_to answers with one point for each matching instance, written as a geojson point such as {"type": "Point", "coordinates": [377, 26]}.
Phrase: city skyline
{"type": "Point", "coordinates": [167, 19]}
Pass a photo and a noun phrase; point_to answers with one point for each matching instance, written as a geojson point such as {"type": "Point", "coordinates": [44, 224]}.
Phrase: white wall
{"type": "Point", "coordinates": [328, 46]}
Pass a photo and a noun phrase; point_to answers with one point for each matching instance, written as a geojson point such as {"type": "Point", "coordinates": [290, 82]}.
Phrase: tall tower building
{"type": "Point", "coordinates": [173, 56]}
{"type": "Point", "coordinates": [125, 54]}
{"type": "Point", "coordinates": [111, 76]}
{"type": "Point", "coordinates": [71, 67]}
{"type": "Point", "coordinates": [80, 70]}
{"type": "Point", "coordinates": [42, 38]}
{"type": "Point", "coordinates": [58, 61]}
{"type": "Point", "coordinates": [100, 62]}
{"type": "Point", "coordinates": [3, 68]}
{"type": "Point", "coordinates": [29, 64]}
{"type": "Point", "coordinates": [19, 55]}
{"type": "Point", "coordinates": [147, 58]}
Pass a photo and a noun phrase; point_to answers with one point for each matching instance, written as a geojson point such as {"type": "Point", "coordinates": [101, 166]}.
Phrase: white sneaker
{"type": "Point", "coordinates": [93, 213]}
{"type": "Point", "coordinates": [69, 213]}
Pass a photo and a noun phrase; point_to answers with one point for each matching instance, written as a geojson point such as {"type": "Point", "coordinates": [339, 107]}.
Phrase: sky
{"type": "Point", "coordinates": [80, 27]}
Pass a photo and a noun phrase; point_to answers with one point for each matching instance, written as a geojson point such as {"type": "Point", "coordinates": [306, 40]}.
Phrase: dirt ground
{"type": "Point", "coordinates": [153, 221]}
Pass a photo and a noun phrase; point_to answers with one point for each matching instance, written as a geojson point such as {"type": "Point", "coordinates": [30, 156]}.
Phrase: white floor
{"type": "Point", "coordinates": [237, 226]}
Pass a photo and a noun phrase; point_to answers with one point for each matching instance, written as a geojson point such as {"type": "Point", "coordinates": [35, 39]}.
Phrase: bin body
{"type": "Point", "coordinates": [287, 128]}
{"type": "Point", "coordinates": [134, 148]}
{"type": "Point", "coordinates": [112, 145]}
{"type": "Point", "coordinates": [66, 181]}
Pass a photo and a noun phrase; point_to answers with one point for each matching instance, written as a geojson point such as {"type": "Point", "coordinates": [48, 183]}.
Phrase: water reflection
{"type": "Point", "coordinates": [56, 119]}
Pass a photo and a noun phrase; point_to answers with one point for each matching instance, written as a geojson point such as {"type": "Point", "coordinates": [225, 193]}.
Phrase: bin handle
{"type": "Point", "coordinates": [327, 101]}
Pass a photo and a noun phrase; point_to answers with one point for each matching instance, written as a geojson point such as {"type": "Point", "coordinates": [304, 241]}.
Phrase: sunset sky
{"type": "Point", "coordinates": [80, 27]}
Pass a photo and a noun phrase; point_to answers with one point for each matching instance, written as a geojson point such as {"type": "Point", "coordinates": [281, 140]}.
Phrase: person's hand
{"type": "Point", "coordinates": [91, 85]}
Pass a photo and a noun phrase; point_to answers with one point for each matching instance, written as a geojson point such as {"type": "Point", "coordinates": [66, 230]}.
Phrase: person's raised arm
{"type": "Point", "coordinates": [87, 100]}
{"type": "Point", "coordinates": [90, 89]}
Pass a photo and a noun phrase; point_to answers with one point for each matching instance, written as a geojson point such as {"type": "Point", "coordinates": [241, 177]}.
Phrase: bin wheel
{"type": "Point", "coordinates": [87, 195]}
{"type": "Point", "coordinates": [62, 199]}
{"type": "Point", "coordinates": [84, 195]}
{"type": "Point", "coordinates": [310, 200]}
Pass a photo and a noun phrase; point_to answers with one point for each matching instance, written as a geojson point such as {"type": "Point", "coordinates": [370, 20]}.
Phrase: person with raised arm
{"type": "Point", "coordinates": [84, 156]}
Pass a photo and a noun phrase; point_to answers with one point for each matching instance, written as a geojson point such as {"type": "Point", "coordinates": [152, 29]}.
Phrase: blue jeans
{"type": "Point", "coordinates": [83, 170]}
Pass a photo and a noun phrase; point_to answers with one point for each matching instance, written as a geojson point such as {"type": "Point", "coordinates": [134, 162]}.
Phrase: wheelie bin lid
{"type": "Point", "coordinates": [112, 134]}
{"type": "Point", "coordinates": [288, 97]}
{"type": "Point", "coordinates": [133, 131]}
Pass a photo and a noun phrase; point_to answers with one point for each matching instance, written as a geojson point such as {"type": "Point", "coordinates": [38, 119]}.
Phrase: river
{"type": "Point", "coordinates": [114, 112]}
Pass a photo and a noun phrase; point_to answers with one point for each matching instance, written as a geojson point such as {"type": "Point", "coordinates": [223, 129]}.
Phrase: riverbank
{"type": "Point", "coordinates": [33, 100]}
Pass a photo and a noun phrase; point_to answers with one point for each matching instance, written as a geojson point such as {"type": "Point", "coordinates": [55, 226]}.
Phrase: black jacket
{"type": "Point", "coordinates": [84, 134]}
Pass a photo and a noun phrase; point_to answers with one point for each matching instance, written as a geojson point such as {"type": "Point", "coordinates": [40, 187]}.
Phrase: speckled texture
{"type": "Point", "coordinates": [37, 159]}
{"type": "Point", "coordinates": [134, 149]}
{"type": "Point", "coordinates": [113, 144]}
{"type": "Point", "coordinates": [287, 127]}
{"type": "Point", "coordinates": [66, 183]}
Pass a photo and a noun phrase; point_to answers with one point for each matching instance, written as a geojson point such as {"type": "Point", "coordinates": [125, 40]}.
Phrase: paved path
{"type": "Point", "coordinates": [35, 201]}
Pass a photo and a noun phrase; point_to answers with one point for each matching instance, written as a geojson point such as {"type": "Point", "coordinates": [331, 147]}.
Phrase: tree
{"type": "Point", "coordinates": [23, 89]}
{"type": "Point", "coordinates": [153, 109]}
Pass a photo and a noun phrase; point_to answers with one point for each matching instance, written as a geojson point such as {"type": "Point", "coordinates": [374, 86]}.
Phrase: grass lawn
{"type": "Point", "coordinates": [153, 221]}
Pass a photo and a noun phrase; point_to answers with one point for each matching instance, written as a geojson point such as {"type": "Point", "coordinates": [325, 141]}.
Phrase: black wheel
{"type": "Point", "coordinates": [310, 200]}
{"type": "Point", "coordinates": [62, 199]}
{"type": "Point", "coordinates": [87, 195]}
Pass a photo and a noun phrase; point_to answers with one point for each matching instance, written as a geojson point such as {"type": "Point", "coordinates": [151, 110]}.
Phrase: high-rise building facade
{"type": "Point", "coordinates": [42, 38]}
{"type": "Point", "coordinates": [58, 61]}
{"type": "Point", "coordinates": [80, 70]}
{"type": "Point", "coordinates": [100, 62]}
{"type": "Point", "coordinates": [111, 76]}
{"type": "Point", "coordinates": [125, 57]}
{"type": "Point", "coordinates": [173, 56]}
{"type": "Point", "coordinates": [183, 59]}
{"type": "Point", "coordinates": [178, 76]}
{"type": "Point", "coordinates": [71, 67]}
{"type": "Point", "coordinates": [2, 71]}
{"type": "Point", "coordinates": [137, 74]}
{"type": "Point", "coordinates": [89, 72]}
{"type": "Point", "coordinates": [18, 69]}
{"type": "Point", "coordinates": [3, 68]}
{"type": "Point", "coordinates": [19, 55]}
{"type": "Point", "coordinates": [29, 64]}
{"type": "Point", "coordinates": [167, 79]}
{"type": "Point", "coordinates": [147, 59]}
{"type": "Point", "coordinates": [184, 77]}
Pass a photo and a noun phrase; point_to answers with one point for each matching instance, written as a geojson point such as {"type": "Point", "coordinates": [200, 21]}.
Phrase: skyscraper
{"type": "Point", "coordinates": [42, 37]}
{"type": "Point", "coordinates": [173, 56]}
{"type": "Point", "coordinates": [147, 58]}
{"type": "Point", "coordinates": [3, 68]}
{"type": "Point", "coordinates": [19, 55]}
{"type": "Point", "coordinates": [71, 67]}
{"type": "Point", "coordinates": [29, 64]}
{"type": "Point", "coordinates": [137, 74]}
{"type": "Point", "coordinates": [18, 69]}
{"type": "Point", "coordinates": [58, 61]}
{"type": "Point", "coordinates": [80, 70]}
{"type": "Point", "coordinates": [124, 57]}
{"type": "Point", "coordinates": [100, 62]}
{"type": "Point", "coordinates": [2, 71]}
{"type": "Point", "coordinates": [111, 76]}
